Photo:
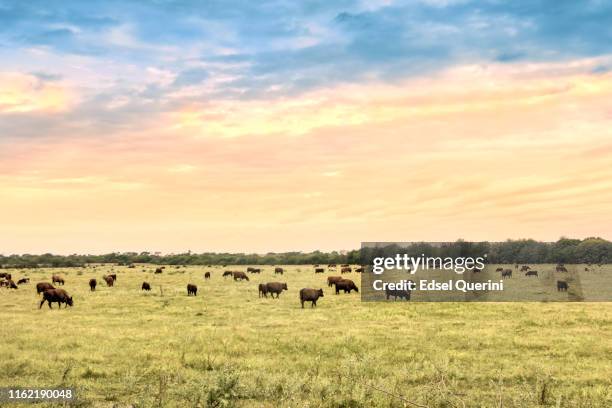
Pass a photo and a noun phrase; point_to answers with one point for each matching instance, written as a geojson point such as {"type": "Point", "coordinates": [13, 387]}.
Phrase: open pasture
{"type": "Point", "coordinates": [120, 346]}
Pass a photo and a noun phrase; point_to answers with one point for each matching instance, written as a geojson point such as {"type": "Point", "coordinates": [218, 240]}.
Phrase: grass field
{"type": "Point", "coordinates": [226, 347]}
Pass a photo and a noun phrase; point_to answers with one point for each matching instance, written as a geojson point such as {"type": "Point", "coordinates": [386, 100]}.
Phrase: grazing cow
{"type": "Point", "coordinates": [525, 268]}
{"type": "Point", "coordinates": [310, 295]}
{"type": "Point", "coordinates": [42, 286]}
{"type": "Point", "coordinates": [227, 273]}
{"type": "Point", "coordinates": [279, 271]}
{"type": "Point", "coordinates": [560, 268]}
{"type": "Point", "coordinates": [562, 286]}
{"type": "Point", "coordinates": [397, 293]}
{"type": "Point", "coordinates": [23, 280]}
{"type": "Point", "coordinates": [319, 270]}
{"type": "Point", "coordinates": [57, 279]}
{"type": "Point", "coordinates": [56, 295]}
{"type": "Point", "coordinates": [345, 270]}
{"type": "Point", "coordinates": [238, 275]}
{"type": "Point", "coordinates": [145, 286]}
{"type": "Point", "coordinates": [263, 290]}
{"type": "Point", "coordinates": [500, 269]}
{"type": "Point", "coordinates": [159, 270]}
{"type": "Point", "coordinates": [359, 270]}
{"type": "Point", "coordinates": [207, 275]}
{"type": "Point", "coordinates": [275, 287]}
{"type": "Point", "coordinates": [92, 284]}
{"type": "Point", "coordinates": [506, 273]}
{"type": "Point", "coordinates": [114, 276]}
{"type": "Point", "coordinates": [331, 280]}
{"type": "Point", "coordinates": [346, 285]}
{"type": "Point", "coordinates": [192, 290]}
{"type": "Point", "coordinates": [109, 280]}
{"type": "Point", "coordinates": [532, 273]}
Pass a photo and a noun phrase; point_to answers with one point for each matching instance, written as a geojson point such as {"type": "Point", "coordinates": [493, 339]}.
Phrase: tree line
{"type": "Point", "coordinates": [528, 251]}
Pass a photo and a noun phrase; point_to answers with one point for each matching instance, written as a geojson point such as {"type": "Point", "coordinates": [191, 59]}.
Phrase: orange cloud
{"type": "Point", "coordinates": [21, 93]}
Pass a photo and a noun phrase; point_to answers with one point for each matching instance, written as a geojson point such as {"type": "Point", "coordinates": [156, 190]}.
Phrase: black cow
{"type": "Point", "coordinates": [207, 275]}
{"type": "Point", "coordinates": [192, 290]}
{"type": "Point", "coordinates": [92, 284]}
{"type": "Point", "coordinates": [145, 286]}
{"type": "Point", "coordinates": [562, 286]}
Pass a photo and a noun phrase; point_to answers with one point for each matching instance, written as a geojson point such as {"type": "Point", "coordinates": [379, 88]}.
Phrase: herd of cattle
{"type": "Point", "coordinates": [51, 294]}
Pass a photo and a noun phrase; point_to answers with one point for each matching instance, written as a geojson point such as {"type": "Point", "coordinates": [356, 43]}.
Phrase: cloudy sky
{"type": "Point", "coordinates": [300, 125]}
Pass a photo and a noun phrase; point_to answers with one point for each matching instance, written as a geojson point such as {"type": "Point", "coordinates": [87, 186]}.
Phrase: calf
{"type": "Point", "coordinates": [331, 280]}
{"type": "Point", "coordinates": [275, 287]}
{"type": "Point", "coordinates": [192, 290]}
{"type": "Point", "coordinates": [42, 286]}
{"type": "Point", "coordinates": [145, 286]}
{"type": "Point", "coordinates": [310, 295]}
{"type": "Point", "coordinates": [92, 284]}
{"type": "Point", "coordinates": [56, 295]}
{"type": "Point", "coordinates": [346, 285]}
{"type": "Point", "coordinates": [562, 286]}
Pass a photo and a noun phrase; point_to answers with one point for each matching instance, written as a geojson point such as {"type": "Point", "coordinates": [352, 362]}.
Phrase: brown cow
{"type": "Point", "coordinates": [56, 295]}
{"type": "Point", "coordinates": [92, 284]}
{"type": "Point", "coordinates": [6, 275]}
{"type": "Point", "coordinates": [319, 270]}
{"type": "Point", "coordinates": [57, 279]}
{"type": "Point", "coordinates": [279, 271]}
{"type": "Point", "coordinates": [109, 280]}
{"type": "Point", "coordinates": [145, 286]}
{"type": "Point", "coordinates": [263, 290]}
{"type": "Point", "coordinates": [506, 273]}
{"type": "Point", "coordinates": [331, 280]}
{"type": "Point", "coordinates": [10, 284]}
{"type": "Point", "coordinates": [345, 270]}
{"type": "Point", "coordinates": [238, 275]}
{"type": "Point", "coordinates": [310, 295]}
{"type": "Point", "coordinates": [42, 286]}
{"type": "Point", "coordinates": [397, 293]}
{"type": "Point", "coordinates": [562, 286]}
{"type": "Point", "coordinates": [532, 273]}
{"type": "Point", "coordinates": [23, 280]}
{"type": "Point", "coordinates": [192, 290]}
{"type": "Point", "coordinates": [207, 275]}
{"type": "Point", "coordinates": [346, 285]}
{"type": "Point", "coordinates": [500, 269]}
{"type": "Point", "coordinates": [228, 273]}
{"type": "Point", "coordinates": [114, 276]}
{"type": "Point", "coordinates": [159, 270]}
{"type": "Point", "coordinates": [525, 268]}
{"type": "Point", "coordinates": [275, 287]}
{"type": "Point", "coordinates": [331, 265]}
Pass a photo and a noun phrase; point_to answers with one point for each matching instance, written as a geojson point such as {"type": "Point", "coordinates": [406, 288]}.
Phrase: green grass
{"type": "Point", "coordinates": [226, 347]}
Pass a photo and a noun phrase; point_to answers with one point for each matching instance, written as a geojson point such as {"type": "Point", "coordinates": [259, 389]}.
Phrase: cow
{"type": "Point", "coordinates": [145, 286]}
{"type": "Point", "coordinates": [238, 275]}
{"type": "Point", "coordinates": [6, 275]}
{"type": "Point", "coordinates": [227, 273]}
{"type": "Point", "coordinates": [331, 280]}
{"type": "Point", "coordinates": [263, 290]}
{"type": "Point", "coordinates": [56, 295]}
{"type": "Point", "coordinates": [532, 273]}
{"type": "Point", "coordinates": [114, 276]}
{"type": "Point", "coordinates": [278, 271]}
{"type": "Point", "coordinates": [3, 283]}
{"type": "Point", "coordinates": [207, 275]}
{"type": "Point", "coordinates": [109, 280]}
{"type": "Point", "coordinates": [57, 279]}
{"type": "Point", "coordinates": [500, 269]}
{"type": "Point", "coordinates": [159, 270]}
{"type": "Point", "coordinates": [250, 269]}
{"type": "Point", "coordinates": [42, 286]}
{"type": "Point", "coordinates": [192, 290]}
{"type": "Point", "coordinates": [275, 287]}
{"type": "Point", "coordinates": [92, 284]}
{"type": "Point", "coordinates": [506, 273]}
{"type": "Point", "coordinates": [562, 286]}
{"type": "Point", "coordinates": [310, 295]}
{"type": "Point", "coordinates": [345, 265]}
{"type": "Point", "coordinates": [346, 285]}
{"type": "Point", "coordinates": [397, 293]}
{"type": "Point", "coordinates": [10, 284]}
{"type": "Point", "coordinates": [525, 268]}
{"type": "Point", "coordinates": [345, 270]}
{"type": "Point", "coordinates": [319, 270]}
{"type": "Point", "coordinates": [359, 270]}
{"type": "Point", "coordinates": [560, 268]}
{"type": "Point", "coordinates": [23, 280]}
{"type": "Point", "coordinates": [331, 265]}
{"type": "Point", "coordinates": [256, 270]}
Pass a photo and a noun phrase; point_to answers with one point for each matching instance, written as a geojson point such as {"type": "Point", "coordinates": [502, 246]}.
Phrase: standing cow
{"type": "Point", "coordinates": [278, 271]}
{"type": "Point", "coordinates": [345, 270]}
{"type": "Point", "coordinates": [109, 280]}
{"type": "Point", "coordinates": [346, 285]}
{"type": "Point", "coordinates": [562, 286]}
{"type": "Point", "coordinates": [56, 295]}
{"type": "Point", "coordinates": [506, 273]}
{"type": "Point", "coordinates": [92, 284]}
{"type": "Point", "coordinates": [310, 295]}
{"type": "Point", "coordinates": [319, 270]}
{"type": "Point", "coordinates": [192, 290]}
{"type": "Point", "coordinates": [331, 280]}
{"type": "Point", "coordinates": [275, 287]}
{"type": "Point", "coordinates": [238, 275]}
{"type": "Point", "coordinates": [207, 275]}
{"type": "Point", "coordinates": [57, 279]}
{"type": "Point", "coordinates": [145, 286]}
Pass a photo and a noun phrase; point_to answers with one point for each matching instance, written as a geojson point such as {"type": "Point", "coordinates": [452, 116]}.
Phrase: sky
{"type": "Point", "coordinates": [256, 126]}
